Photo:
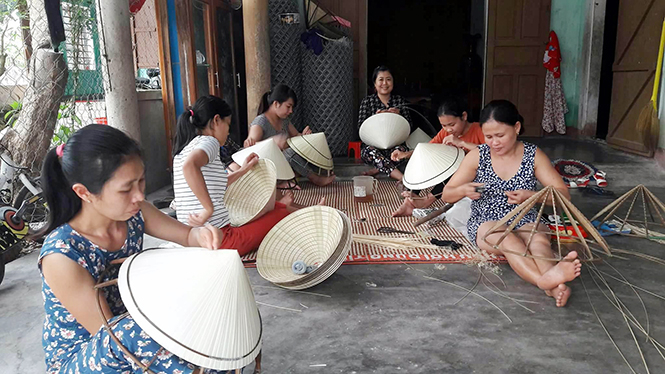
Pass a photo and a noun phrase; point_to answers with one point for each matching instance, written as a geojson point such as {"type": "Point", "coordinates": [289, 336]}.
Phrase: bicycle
{"type": "Point", "coordinates": [23, 209]}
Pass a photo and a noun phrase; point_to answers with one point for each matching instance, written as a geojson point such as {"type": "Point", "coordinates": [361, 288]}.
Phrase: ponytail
{"type": "Point", "coordinates": [196, 118]}
{"type": "Point", "coordinates": [63, 203]}
{"type": "Point", "coordinates": [280, 94]}
{"type": "Point", "coordinates": [90, 157]}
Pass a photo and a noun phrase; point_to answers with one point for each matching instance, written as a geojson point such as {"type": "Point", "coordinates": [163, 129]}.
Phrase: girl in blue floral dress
{"type": "Point", "coordinates": [94, 187]}
{"type": "Point", "coordinates": [508, 169]}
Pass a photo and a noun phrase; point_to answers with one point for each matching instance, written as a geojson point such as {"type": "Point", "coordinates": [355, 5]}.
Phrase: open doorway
{"type": "Point", "coordinates": [434, 48]}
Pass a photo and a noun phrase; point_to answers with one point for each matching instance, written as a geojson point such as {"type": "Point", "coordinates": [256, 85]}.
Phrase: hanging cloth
{"type": "Point", "coordinates": [555, 102]}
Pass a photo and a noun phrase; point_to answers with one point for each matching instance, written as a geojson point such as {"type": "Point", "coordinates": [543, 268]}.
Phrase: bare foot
{"type": "Point", "coordinates": [566, 270]}
{"type": "Point", "coordinates": [287, 198]}
{"type": "Point", "coordinates": [321, 180]}
{"type": "Point", "coordinates": [561, 294]}
{"type": "Point", "coordinates": [371, 172]}
{"type": "Point", "coordinates": [405, 210]}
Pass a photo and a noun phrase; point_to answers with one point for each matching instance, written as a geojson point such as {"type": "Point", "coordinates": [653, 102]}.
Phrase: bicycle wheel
{"type": "Point", "coordinates": [37, 213]}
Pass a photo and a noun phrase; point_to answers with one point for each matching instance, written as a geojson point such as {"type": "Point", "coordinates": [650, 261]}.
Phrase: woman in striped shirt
{"type": "Point", "coordinates": [200, 179]}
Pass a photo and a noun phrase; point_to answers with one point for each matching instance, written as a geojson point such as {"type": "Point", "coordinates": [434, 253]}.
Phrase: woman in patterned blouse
{"type": "Point", "coordinates": [382, 101]}
{"type": "Point", "coordinates": [94, 187]}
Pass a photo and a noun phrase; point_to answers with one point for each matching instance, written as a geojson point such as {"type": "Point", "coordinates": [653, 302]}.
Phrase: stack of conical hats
{"type": "Point", "coordinates": [305, 248]}
{"type": "Point", "coordinates": [216, 323]}
{"type": "Point", "coordinates": [384, 130]}
{"type": "Point", "coordinates": [431, 164]}
{"type": "Point", "coordinates": [313, 148]}
{"type": "Point", "coordinates": [252, 194]}
{"type": "Point", "coordinates": [267, 149]}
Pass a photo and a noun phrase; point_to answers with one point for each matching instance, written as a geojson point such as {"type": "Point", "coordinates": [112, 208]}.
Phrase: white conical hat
{"type": "Point", "coordinates": [216, 323]}
{"type": "Point", "coordinates": [384, 130]}
{"type": "Point", "coordinates": [252, 194]}
{"type": "Point", "coordinates": [318, 236]}
{"type": "Point", "coordinates": [313, 148]}
{"type": "Point", "coordinates": [267, 149]}
{"type": "Point", "coordinates": [431, 164]}
{"type": "Point", "coordinates": [416, 137]}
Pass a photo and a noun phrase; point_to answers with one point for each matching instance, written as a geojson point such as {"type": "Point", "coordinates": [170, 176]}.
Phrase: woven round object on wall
{"type": "Point", "coordinates": [319, 236]}
{"type": "Point", "coordinates": [313, 148]}
{"type": "Point", "coordinates": [216, 323]}
{"type": "Point", "coordinates": [267, 149]}
{"type": "Point", "coordinates": [252, 194]}
{"type": "Point", "coordinates": [385, 130]}
{"type": "Point", "coordinates": [431, 164]}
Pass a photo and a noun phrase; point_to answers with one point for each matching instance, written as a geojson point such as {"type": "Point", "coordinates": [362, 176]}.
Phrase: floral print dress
{"type": "Point", "coordinates": [68, 346]}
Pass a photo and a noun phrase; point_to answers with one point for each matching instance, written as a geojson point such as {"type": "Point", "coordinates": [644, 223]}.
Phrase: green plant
{"type": "Point", "coordinates": [12, 114]}
{"type": "Point", "coordinates": [66, 128]}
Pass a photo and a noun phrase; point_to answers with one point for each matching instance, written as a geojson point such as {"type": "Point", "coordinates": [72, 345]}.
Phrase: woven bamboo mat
{"type": "Point", "coordinates": [368, 217]}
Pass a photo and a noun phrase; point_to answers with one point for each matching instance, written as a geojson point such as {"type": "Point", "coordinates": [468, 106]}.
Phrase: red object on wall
{"type": "Point", "coordinates": [135, 5]}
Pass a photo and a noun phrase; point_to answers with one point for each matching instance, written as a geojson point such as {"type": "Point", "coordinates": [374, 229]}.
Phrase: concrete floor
{"type": "Point", "coordinates": [390, 319]}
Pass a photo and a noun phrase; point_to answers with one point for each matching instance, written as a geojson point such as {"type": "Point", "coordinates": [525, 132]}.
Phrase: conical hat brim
{"type": "Point", "coordinates": [216, 323]}
{"type": "Point", "coordinates": [252, 194]}
{"type": "Point", "coordinates": [267, 149]}
{"type": "Point", "coordinates": [313, 148]}
{"type": "Point", "coordinates": [316, 235]}
{"type": "Point", "coordinates": [384, 130]}
{"type": "Point", "coordinates": [431, 164]}
{"type": "Point", "coordinates": [417, 136]}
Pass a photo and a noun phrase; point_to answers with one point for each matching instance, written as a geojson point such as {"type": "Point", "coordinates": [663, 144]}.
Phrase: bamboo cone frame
{"type": "Point", "coordinates": [650, 204]}
{"type": "Point", "coordinates": [576, 218]}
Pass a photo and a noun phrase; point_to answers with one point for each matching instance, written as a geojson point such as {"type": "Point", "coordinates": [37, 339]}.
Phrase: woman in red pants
{"type": "Point", "coordinates": [200, 178]}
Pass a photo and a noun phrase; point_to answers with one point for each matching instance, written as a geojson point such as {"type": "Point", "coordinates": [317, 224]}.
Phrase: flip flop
{"type": "Point", "coordinates": [597, 190]}
{"type": "Point", "coordinates": [608, 229]}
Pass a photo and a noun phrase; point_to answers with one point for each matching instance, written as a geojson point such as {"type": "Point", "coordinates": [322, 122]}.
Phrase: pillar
{"type": "Point", "coordinates": [257, 53]}
{"type": "Point", "coordinates": [122, 107]}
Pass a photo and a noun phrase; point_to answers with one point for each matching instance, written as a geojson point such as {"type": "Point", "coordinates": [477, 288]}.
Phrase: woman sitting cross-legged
{"type": "Point", "coordinates": [200, 178]}
{"type": "Point", "coordinates": [455, 131]}
{"type": "Point", "coordinates": [509, 169]}
{"type": "Point", "coordinates": [273, 121]}
{"type": "Point", "coordinates": [383, 101]}
{"type": "Point", "coordinates": [94, 187]}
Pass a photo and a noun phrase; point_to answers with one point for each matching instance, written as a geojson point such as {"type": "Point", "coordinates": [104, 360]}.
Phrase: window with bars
{"type": "Point", "coordinates": [79, 43]}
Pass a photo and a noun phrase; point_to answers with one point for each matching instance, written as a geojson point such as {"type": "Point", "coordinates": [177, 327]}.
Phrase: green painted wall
{"type": "Point", "coordinates": [567, 20]}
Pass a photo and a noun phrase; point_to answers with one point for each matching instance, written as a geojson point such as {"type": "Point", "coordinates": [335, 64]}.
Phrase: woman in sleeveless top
{"type": "Point", "coordinates": [508, 169]}
{"type": "Point", "coordinates": [272, 121]}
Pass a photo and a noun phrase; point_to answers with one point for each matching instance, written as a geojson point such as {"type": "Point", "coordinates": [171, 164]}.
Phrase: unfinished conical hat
{"type": "Point", "coordinates": [317, 237]}
{"type": "Point", "coordinates": [267, 149]}
{"type": "Point", "coordinates": [417, 136]}
{"type": "Point", "coordinates": [431, 164]}
{"type": "Point", "coordinates": [252, 194]}
{"type": "Point", "coordinates": [313, 148]}
{"type": "Point", "coordinates": [384, 130]}
{"type": "Point", "coordinates": [215, 324]}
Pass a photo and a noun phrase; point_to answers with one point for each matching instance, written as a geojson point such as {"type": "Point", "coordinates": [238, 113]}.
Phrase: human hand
{"type": "Point", "coordinates": [249, 142]}
{"type": "Point", "coordinates": [393, 110]}
{"type": "Point", "coordinates": [251, 160]}
{"type": "Point", "coordinates": [306, 131]}
{"type": "Point", "coordinates": [206, 236]}
{"type": "Point", "coordinates": [397, 155]}
{"type": "Point", "coordinates": [471, 191]}
{"type": "Point", "coordinates": [199, 218]}
{"type": "Point", "coordinates": [453, 140]}
{"type": "Point", "coordinates": [519, 196]}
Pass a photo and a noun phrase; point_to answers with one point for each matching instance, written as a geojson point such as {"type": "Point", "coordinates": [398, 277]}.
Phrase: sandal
{"type": "Point", "coordinates": [597, 190]}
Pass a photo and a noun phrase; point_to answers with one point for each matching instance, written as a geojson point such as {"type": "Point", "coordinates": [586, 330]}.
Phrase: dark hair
{"type": "Point", "coordinates": [90, 158]}
{"type": "Point", "coordinates": [377, 70]}
{"type": "Point", "coordinates": [196, 118]}
{"type": "Point", "coordinates": [502, 111]}
{"type": "Point", "coordinates": [451, 106]}
{"type": "Point", "coordinates": [280, 94]}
